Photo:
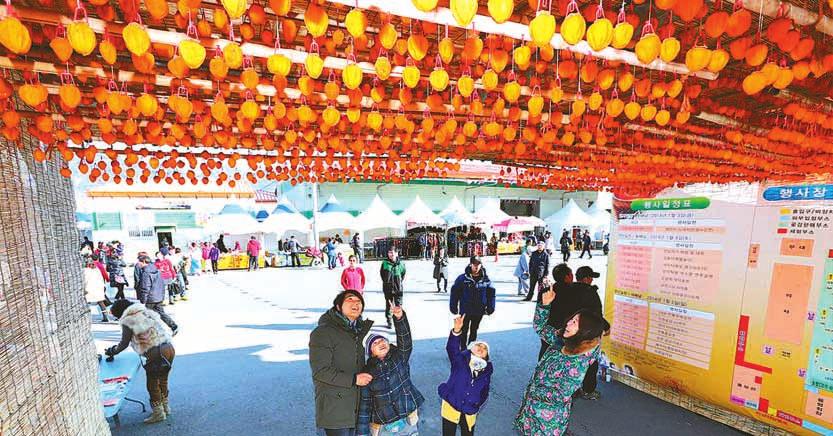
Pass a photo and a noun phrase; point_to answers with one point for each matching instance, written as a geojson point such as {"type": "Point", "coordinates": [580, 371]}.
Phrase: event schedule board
{"type": "Point", "coordinates": [728, 296]}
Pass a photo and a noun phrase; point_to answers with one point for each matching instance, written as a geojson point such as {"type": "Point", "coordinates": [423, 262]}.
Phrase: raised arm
{"type": "Point", "coordinates": [542, 313]}
{"type": "Point", "coordinates": [403, 332]}
{"type": "Point", "coordinates": [321, 362]}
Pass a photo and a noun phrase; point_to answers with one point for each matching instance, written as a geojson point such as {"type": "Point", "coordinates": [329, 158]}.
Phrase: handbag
{"type": "Point", "coordinates": [120, 280]}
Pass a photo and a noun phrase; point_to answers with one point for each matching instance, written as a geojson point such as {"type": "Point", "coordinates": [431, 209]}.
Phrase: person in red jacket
{"type": "Point", "coordinates": [352, 278]}
{"type": "Point", "coordinates": [253, 250]}
{"type": "Point", "coordinates": [166, 273]}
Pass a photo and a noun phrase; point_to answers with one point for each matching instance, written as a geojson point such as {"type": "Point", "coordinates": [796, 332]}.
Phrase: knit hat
{"type": "Point", "coordinates": [369, 342]}
{"type": "Point", "coordinates": [488, 350]}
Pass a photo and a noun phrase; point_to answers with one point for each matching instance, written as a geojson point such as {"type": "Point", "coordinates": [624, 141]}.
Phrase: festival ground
{"type": "Point", "coordinates": [242, 357]}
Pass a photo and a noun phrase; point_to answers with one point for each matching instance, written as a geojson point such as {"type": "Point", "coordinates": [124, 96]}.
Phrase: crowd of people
{"type": "Point", "coordinates": [145, 325]}
{"type": "Point", "coordinates": [363, 382]}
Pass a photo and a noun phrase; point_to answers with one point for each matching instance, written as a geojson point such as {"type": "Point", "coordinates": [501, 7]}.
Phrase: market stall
{"type": "Point", "coordinates": [285, 221]}
{"type": "Point", "coordinates": [237, 226]}
{"type": "Point", "coordinates": [377, 224]}
{"type": "Point", "coordinates": [570, 218]}
{"type": "Point", "coordinates": [334, 219]}
{"type": "Point", "coordinates": [425, 226]}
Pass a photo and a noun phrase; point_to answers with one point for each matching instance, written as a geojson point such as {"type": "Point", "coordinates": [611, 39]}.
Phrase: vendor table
{"type": "Point", "coordinates": [115, 379]}
{"type": "Point", "coordinates": [237, 261]}
{"type": "Point", "coordinates": [510, 247]}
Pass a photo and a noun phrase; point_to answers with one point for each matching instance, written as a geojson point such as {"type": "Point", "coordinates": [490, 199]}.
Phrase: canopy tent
{"type": "Point", "coordinates": [333, 216]}
{"type": "Point", "coordinates": [261, 215]}
{"type": "Point", "coordinates": [286, 221]}
{"type": "Point", "coordinates": [232, 220]}
{"type": "Point", "coordinates": [379, 217]}
{"type": "Point", "coordinates": [490, 213]}
{"type": "Point", "coordinates": [455, 215]}
{"type": "Point", "coordinates": [516, 224]}
{"type": "Point", "coordinates": [568, 217]}
{"type": "Point", "coordinates": [599, 220]}
{"type": "Point", "coordinates": [418, 214]}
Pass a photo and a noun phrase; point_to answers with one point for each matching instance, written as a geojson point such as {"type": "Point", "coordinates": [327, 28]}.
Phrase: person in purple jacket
{"type": "Point", "coordinates": [214, 256]}
{"type": "Point", "coordinates": [467, 388]}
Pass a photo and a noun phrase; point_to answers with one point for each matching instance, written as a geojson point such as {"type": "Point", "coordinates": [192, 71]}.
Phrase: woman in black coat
{"type": "Point", "coordinates": [115, 269]}
{"type": "Point", "coordinates": [441, 269]}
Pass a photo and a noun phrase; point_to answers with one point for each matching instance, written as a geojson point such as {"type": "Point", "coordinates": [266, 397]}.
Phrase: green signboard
{"type": "Point", "coordinates": [182, 220]}
{"type": "Point", "coordinates": [106, 221]}
{"type": "Point", "coordinates": [670, 203]}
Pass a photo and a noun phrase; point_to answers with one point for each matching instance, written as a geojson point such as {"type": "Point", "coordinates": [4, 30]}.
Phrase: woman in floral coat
{"type": "Point", "coordinates": [546, 405]}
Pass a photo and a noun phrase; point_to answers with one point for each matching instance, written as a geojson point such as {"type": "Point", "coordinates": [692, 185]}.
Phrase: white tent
{"type": "Point", "coordinates": [286, 221]}
{"type": "Point", "coordinates": [232, 220]}
{"type": "Point", "coordinates": [455, 214]}
{"type": "Point", "coordinates": [490, 213]}
{"type": "Point", "coordinates": [568, 217]}
{"type": "Point", "coordinates": [599, 220]}
{"type": "Point", "coordinates": [378, 216]}
{"type": "Point", "coordinates": [418, 214]}
{"type": "Point", "coordinates": [333, 216]}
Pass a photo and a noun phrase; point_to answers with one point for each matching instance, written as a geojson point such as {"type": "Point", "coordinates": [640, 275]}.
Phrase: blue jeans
{"type": "Point", "coordinates": [523, 286]}
{"type": "Point", "coordinates": [340, 432]}
{"type": "Point", "coordinates": [331, 260]}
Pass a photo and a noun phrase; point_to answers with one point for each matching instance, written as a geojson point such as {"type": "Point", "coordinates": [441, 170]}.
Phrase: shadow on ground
{"type": "Point", "coordinates": [234, 391]}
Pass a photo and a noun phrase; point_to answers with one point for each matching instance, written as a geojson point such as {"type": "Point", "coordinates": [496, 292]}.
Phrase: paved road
{"type": "Point", "coordinates": [242, 368]}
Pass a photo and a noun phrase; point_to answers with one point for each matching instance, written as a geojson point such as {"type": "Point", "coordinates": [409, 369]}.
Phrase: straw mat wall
{"type": "Point", "coordinates": [48, 368]}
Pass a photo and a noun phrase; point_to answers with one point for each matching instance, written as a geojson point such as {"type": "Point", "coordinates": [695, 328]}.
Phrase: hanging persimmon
{"type": "Point", "coordinates": [542, 28]}
{"type": "Point", "coordinates": [257, 15]}
{"type": "Point", "coordinates": [803, 49]}
{"type": "Point", "coordinates": [356, 22]}
{"type": "Point", "coordinates": [438, 78]}
{"type": "Point", "coordinates": [417, 46]}
{"type": "Point", "coordinates": [136, 38]}
{"type": "Point", "coordinates": [648, 47]}
{"type": "Point", "coordinates": [600, 33]}
{"type": "Point", "coordinates": [351, 75]}
{"type": "Point", "coordinates": [669, 49]}
{"type": "Point", "coordinates": [61, 47]}
{"type": "Point", "coordinates": [687, 10]}
{"type": "Point", "coordinates": [315, 19]}
{"type": "Point", "coordinates": [177, 67]}
{"type": "Point", "coordinates": [14, 35]}
{"type": "Point", "coordinates": [32, 94]}
{"type": "Point", "coordinates": [739, 21]}
{"type": "Point", "coordinates": [388, 36]}
{"type": "Point", "coordinates": [632, 109]}
{"type": "Point", "coordinates": [158, 9]}
{"type": "Point", "coordinates": [718, 60]}
{"type": "Point", "coordinates": [233, 55]}
{"type": "Point", "coordinates": [279, 64]}
{"type": "Point", "coordinates": [614, 106]}
{"type": "Point", "coordinates": [756, 55]}
{"type": "Point", "coordinates": [522, 56]}
{"type": "Point", "coordinates": [314, 65]}
{"type": "Point", "coordinates": [622, 32]}
{"type": "Point", "coordinates": [665, 5]}
{"type": "Point", "coordinates": [249, 79]}
{"type": "Point", "coordinates": [218, 68]}
{"type": "Point", "coordinates": [192, 52]}
{"type": "Point", "coordinates": [280, 7]}
{"type": "Point", "coordinates": [250, 109]}
{"type": "Point", "coordinates": [147, 104]}
{"type": "Point", "coordinates": [463, 11]}
{"type": "Point", "coordinates": [500, 10]}
{"type": "Point", "coordinates": [716, 24]}
{"type": "Point", "coordinates": [410, 75]}
{"type": "Point", "coordinates": [697, 58]}
{"type": "Point", "coordinates": [70, 95]}
{"type": "Point", "coordinates": [382, 67]}
{"type": "Point", "coordinates": [472, 49]}
{"type": "Point", "coordinates": [234, 8]}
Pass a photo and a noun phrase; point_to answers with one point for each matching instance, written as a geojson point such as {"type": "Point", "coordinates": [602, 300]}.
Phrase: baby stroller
{"type": "Point", "coordinates": [315, 256]}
